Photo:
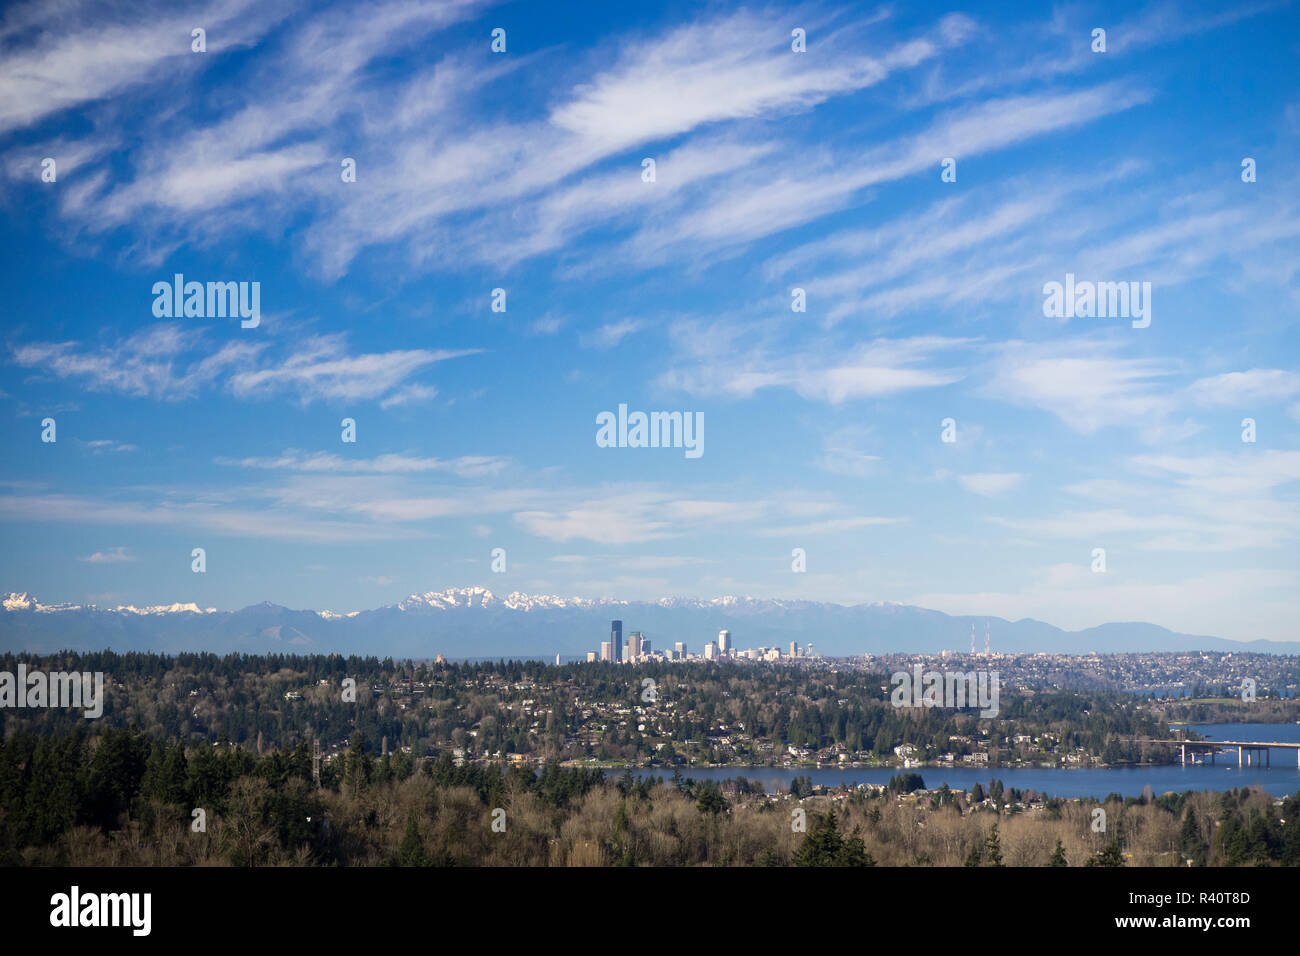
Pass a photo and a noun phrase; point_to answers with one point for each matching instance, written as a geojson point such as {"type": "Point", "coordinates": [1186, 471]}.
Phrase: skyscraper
{"type": "Point", "coordinates": [724, 642]}
{"type": "Point", "coordinates": [710, 651]}
{"type": "Point", "coordinates": [680, 650]}
{"type": "Point", "coordinates": [616, 638]}
{"type": "Point", "coordinates": [794, 649]}
{"type": "Point", "coordinates": [606, 651]}
{"type": "Point", "coordinates": [634, 646]}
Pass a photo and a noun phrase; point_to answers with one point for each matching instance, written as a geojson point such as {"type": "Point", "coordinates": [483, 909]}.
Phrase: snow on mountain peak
{"type": "Point", "coordinates": [483, 597]}
{"type": "Point", "coordinates": [19, 602]}
{"type": "Point", "coordinates": [187, 608]}
{"type": "Point", "coordinates": [25, 602]}
{"type": "Point", "coordinates": [521, 601]}
{"type": "Point", "coordinates": [447, 599]}
{"type": "Point", "coordinates": [451, 597]}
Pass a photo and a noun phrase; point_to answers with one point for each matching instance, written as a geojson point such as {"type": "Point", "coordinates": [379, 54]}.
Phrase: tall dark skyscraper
{"type": "Point", "coordinates": [616, 638]}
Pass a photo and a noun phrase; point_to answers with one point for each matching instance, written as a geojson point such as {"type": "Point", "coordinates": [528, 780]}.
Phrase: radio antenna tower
{"type": "Point", "coordinates": [972, 639]}
{"type": "Point", "coordinates": [986, 639]}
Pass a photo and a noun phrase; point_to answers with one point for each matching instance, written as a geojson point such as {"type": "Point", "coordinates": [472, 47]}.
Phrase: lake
{"type": "Point", "coordinates": [1282, 779]}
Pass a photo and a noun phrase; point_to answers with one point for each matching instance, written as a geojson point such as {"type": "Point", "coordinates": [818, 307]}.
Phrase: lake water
{"type": "Point", "coordinates": [1281, 779]}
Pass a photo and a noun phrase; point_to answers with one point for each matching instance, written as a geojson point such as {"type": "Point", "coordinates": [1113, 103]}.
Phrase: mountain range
{"type": "Point", "coordinates": [475, 623]}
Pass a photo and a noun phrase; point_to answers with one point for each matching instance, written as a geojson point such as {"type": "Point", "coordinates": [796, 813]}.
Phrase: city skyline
{"type": "Point", "coordinates": [639, 648]}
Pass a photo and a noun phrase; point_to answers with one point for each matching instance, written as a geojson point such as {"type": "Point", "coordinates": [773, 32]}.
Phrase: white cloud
{"type": "Point", "coordinates": [991, 483]}
{"type": "Point", "coordinates": [410, 395]}
{"type": "Point", "coordinates": [1083, 384]}
{"type": "Point", "coordinates": [84, 52]}
{"type": "Point", "coordinates": [1238, 389]}
{"type": "Point", "coordinates": [875, 369]}
{"type": "Point", "coordinates": [209, 516]}
{"type": "Point", "coordinates": [107, 444]}
{"type": "Point", "coordinates": [390, 464]}
{"type": "Point", "coordinates": [737, 67]}
{"type": "Point", "coordinates": [118, 555]}
{"type": "Point", "coordinates": [831, 526]}
{"type": "Point", "coordinates": [1246, 604]}
{"type": "Point", "coordinates": [145, 365]}
{"type": "Point", "coordinates": [843, 452]}
{"type": "Point", "coordinates": [611, 334]}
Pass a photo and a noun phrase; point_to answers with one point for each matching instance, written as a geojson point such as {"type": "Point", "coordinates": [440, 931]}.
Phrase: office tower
{"type": "Point", "coordinates": [724, 642]}
{"type": "Point", "coordinates": [794, 649]}
{"type": "Point", "coordinates": [591, 657]}
{"type": "Point", "coordinates": [606, 651]}
{"type": "Point", "coordinates": [557, 660]}
{"type": "Point", "coordinates": [680, 651]}
{"type": "Point", "coordinates": [634, 646]}
{"type": "Point", "coordinates": [616, 638]}
{"type": "Point", "coordinates": [645, 645]}
{"type": "Point", "coordinates": [710, 651]}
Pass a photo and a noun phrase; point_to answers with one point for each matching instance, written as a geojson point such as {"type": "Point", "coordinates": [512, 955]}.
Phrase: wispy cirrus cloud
{"type": "Point", "coordinates": [389, 464]}
{"type": "Point", "coordinates": [100, 445]}
{"type": "Point", "coordinates": [62, 56]}
{"type": "Point", "coordinates": [263, 158]}
{"type": "Point", "coordinates": [198, 512]}
{"type": "Point", "coordinates": [1178, 503]}
{"type": "Point", "coordinates": [1082, 382]}
{"type": "Point", "coordinates": [991, 483]}
{"type": "Point", "coordinates": [829, 526]}
{"type": "Point", "coordinates": [144, 364]}
{"type": "Point", "coordinates": [118, 555]}
{"type": "Point", "coordinates": [165, 362]}
{"type": "Point", "coordinates": [610, 335]}
{"type": "Point", "coordinates": [1241, 389]}
{"type": "Point", "coordinates": [322, 368]}
{"type": "Point", "coordinates": [873, 369]}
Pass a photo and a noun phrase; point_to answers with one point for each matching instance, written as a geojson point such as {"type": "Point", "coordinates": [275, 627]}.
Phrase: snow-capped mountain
{"type": "Point", "coordinates": [25, 602]}
{"type": "Point", "coordinates": [475, 622]}
{"type": "Point", "coordinates": [482, 597]}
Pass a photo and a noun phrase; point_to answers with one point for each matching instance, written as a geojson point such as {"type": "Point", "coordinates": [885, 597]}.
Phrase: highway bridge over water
{"type": "Point", "coordinates": [1249, 752]}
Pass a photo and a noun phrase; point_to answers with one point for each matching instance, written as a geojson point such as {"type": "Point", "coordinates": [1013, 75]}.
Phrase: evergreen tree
{"type": "Point", "coordinates": [1058, 855]}
{"type": "Point", "coordinates": [711, 799]}
{"type": "Point", "coordinates": [1110, 856]}
{"type": "Point", "coordinates": [993, 848]}
{"type": "Point", "coordinates": [357, 765]}
{"type": "Point", "coordinates": [824, 845]}
{"type": "Point", "coordinates": [1189, 839]}
{"type": "Point", "coordinates": [411, 852]}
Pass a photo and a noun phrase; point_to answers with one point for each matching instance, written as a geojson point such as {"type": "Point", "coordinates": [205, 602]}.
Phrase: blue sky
{"type": "Point", "coordinates": [774, 170]}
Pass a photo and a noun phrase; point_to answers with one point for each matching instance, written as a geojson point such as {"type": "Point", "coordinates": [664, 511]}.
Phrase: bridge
{"type": "Point", "coordinates": [1249, 752]}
